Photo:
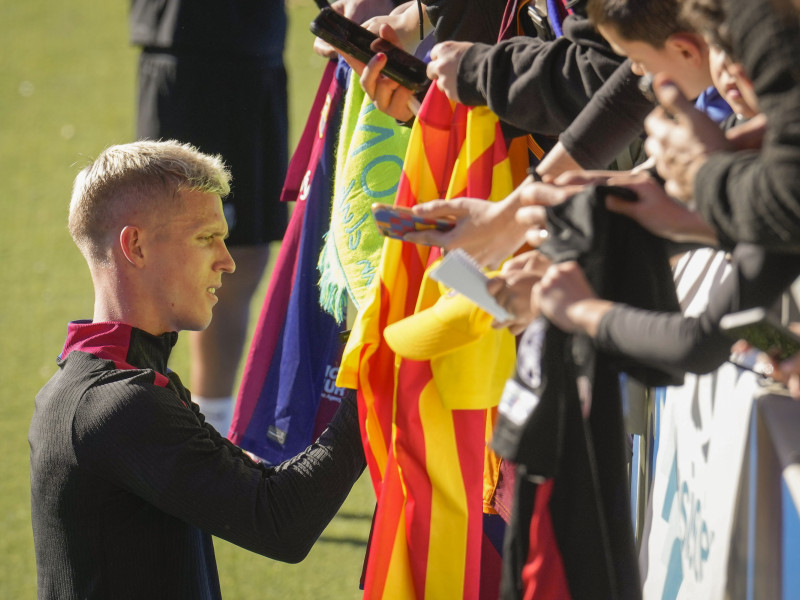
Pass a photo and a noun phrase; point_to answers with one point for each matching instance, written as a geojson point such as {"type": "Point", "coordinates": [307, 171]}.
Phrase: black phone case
{"type": "Point", "coordinates": [349, 37]}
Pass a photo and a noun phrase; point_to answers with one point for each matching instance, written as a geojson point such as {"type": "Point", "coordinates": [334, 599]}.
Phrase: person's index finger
{"type": "Point", "coordinates": [439, 208]}
{"type": "Point", "coordinates": [671, 98]}
{"type": "Point", "coordinates": [658, 123]}
{"type": "Point", "coordinates": [426, 237]}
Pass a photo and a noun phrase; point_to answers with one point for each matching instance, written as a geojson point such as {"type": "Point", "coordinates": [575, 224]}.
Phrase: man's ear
{"type": "Point", "coordinates": [130, 242]}
{"type": "Point", "coordinates": [691, 46]}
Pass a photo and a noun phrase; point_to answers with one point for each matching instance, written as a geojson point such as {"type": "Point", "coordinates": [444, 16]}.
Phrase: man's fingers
{"type": "Point", "coordinates": [343, 8]}
{"type": "Point", "coordinates": [379, 88]}
{"type": "Point", "coordinates": [659, 123]}
{"type": "Point", "coordinates": [670, 96]}
{"type": "Point", "coordinates": [388, 33]}
{"type": "Point", "coordinates": [790, 365]}
{"type": "Point", "coordinates": [532, 216]}
{"type": "Point", "coordinates": [428, 237]}
{"type": "Point", "coordinates": [794, 386]}
{"type": "Point", "coordinates": [441, 208]}
{"type": "Point", "coordinates": [324, 49]}
{"type": "Point", "coordinates": [617, 205]}
{"type": "Point", "coordinates": [494, 285]}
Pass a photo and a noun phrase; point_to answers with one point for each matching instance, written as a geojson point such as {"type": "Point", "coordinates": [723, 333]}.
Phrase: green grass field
{"type": "Point", "coordinates": [67, 86]}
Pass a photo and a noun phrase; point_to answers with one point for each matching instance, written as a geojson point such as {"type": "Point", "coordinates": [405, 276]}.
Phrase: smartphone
{"type": "Point", "coordinates": [763, 331]}
{"type": "Point", "coordinates": [396, 221]}
{"type": "Point", "coordinates": [351, 38]}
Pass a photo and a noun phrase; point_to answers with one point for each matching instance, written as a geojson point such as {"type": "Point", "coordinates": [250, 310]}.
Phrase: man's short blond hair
{"type": "Point", "coordinates": [139, 178]}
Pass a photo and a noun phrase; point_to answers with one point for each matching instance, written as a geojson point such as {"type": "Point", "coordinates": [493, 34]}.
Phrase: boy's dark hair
{"type": "Point", "coordinates": [708, 17]}
{"type": "Point", "coordinates": [648, 21]}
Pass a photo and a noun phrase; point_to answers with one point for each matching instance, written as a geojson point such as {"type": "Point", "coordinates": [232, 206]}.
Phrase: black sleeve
{"type": "Point", "coordinates": [472, 21]}
{"type": "Point", "coordinates": [755, 196]}
{"type": "Point", "coordinates": [696, 344]}
{"type": "Point", "coordinates": [612, 119]}
{"type": "Point", "coordinates": [156, 447]}
{"type": "Point", "coordinates": [537, 86]}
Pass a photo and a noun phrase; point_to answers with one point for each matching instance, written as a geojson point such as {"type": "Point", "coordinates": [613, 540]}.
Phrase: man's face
{"type": "Point", "coordinates": [186, 257]}
{"type": "Point", "coordinates": [684, 59]}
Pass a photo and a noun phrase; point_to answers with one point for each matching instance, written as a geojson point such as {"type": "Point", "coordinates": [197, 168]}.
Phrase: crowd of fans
{"type": "Point", "coordinates": [689, 104]}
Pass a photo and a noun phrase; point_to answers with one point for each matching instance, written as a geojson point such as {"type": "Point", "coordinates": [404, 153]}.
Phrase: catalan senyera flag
{"type": "Point", "coordinates": [425, 446]}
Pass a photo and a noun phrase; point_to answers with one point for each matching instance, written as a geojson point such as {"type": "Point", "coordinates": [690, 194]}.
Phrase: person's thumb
{"type": "Point", "coordinates": [389, 34]}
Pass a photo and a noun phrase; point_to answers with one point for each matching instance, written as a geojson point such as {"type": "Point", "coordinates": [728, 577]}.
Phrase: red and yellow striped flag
{"type": "Point", "coordinates": [425, 452]}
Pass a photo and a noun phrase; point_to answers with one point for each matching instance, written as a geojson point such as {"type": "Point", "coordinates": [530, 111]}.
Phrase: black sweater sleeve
{"type": "Point", "coordinates": [612, 119]}
{"type": "Point", "coordinates": [755, 196]}
{"type": "Point", "coordinates": [473, 21]}
{"type": "Point", "coordinates": [696, 344]}
{"type": "Point", "coordinates": [538, 87]}
{"type": "Point", "coordinates": [152, 446]}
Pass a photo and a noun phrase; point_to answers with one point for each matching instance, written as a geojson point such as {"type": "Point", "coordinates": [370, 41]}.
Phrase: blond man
{"type": "Point", "coordinates": [128, 481]}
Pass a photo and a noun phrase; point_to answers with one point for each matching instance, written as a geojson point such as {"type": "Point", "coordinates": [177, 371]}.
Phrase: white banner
{"type": "Point", "coordinates": [702, 441]}
{"type": "Point", "coordinates": [702, 444]}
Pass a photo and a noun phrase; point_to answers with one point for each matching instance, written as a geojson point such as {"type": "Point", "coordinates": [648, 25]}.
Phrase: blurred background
{"type": "Point", "coordinates": [67, 90]}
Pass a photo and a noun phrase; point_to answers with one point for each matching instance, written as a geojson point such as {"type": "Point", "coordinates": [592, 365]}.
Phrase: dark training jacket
{"type": "Point", "coordinates": [128, 482]}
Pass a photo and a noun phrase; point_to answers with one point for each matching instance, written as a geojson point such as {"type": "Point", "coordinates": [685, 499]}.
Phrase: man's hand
{"type": "Point", "coordinates": [355, 10]}
{"type": "Point", "coordinates": [658, 213]}
{"type": "Point", "coordinates": [389, 96]}
{"type": "Point", "coordinates": [443, 68]}
{"type": "Point", "coordinates": [490, 231]}
{"type": "Point", "coordinates": [533, 197]}
{"type": "Point", "coordinates": [565, 297]}
{"type": "Point", "coordinates": [680, 139]}
{"type": "Point", "coordinates": [513, 289]}
{"type": "Point", "coordinates": [486, 230]}
{"type": "Point", "coordinates": [400, 28]}
{"type": "Point", "coordinates": [787, 371]}
{"type": "Point", "coordinates": [749, 135]}
{"type": "Point", "coordinates": [584, 177]}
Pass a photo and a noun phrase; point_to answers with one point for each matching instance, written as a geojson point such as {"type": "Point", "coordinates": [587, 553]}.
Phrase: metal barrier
{"type": "Point", "coordinates": [773, 500]}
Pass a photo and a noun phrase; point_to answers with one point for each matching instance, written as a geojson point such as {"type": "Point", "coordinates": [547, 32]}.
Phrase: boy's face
{"type": "Point", "coordinates": [732, 84]}
{"type": "Point", "coordinates": [684, 58]}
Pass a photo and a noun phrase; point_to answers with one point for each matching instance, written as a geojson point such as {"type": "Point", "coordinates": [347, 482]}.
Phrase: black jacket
{"type": "Point", "coordinates": [538, 86]}
{"type": "Point", "coordinates": [465, 21]}
{"type": "Point", "coordinates": [128, 483]}
{"type": "Point", "coordinates": [612, 119]}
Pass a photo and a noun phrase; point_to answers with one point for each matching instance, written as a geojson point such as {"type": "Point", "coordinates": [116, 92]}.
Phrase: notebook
{"type": "Point", "coordinates": [459, 271]}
